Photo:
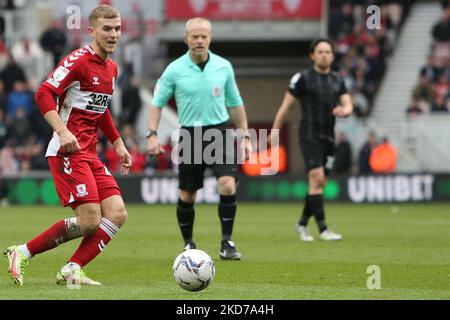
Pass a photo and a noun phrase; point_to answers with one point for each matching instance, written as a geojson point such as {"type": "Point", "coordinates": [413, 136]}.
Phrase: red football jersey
{"type": "Point", "coordinates": [84, 84]}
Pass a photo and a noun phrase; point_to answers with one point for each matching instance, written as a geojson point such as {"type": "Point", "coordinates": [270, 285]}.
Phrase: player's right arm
{"type": "Point", "coordinates": [295, 90]}
{"type": "Point", "coordinates": [287, 103]}
{"type": "Point", "coordinates": [47, 106]}
{"type": "Point", "coordinates": [60, 80]}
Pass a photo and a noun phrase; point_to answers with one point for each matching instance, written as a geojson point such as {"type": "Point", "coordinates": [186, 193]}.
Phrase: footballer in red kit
{"type": "Point", "coordinates": [74, 101]}
{"type": "Point", "coordinates": [85, 84]}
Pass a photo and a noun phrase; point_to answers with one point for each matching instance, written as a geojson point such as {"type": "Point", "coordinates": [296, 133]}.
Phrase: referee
{"type": "Point", "coordinates": [323, 96]}
{"type": "Point", "coordinates": [204, 88]}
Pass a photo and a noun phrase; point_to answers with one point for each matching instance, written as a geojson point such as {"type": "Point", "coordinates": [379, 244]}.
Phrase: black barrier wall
{"type": "Point", "coordinates": [280, 188]}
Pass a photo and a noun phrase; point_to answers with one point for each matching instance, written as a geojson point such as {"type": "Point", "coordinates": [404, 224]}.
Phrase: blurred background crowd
{"type": "Point", "coordinates": [362, 57]}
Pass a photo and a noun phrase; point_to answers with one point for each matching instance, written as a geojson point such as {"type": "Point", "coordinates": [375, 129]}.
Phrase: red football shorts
{"type": "Point", "coordinates": [82, 180]}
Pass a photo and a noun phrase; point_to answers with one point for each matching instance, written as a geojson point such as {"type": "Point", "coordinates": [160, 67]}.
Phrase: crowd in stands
{"type": "Point", "coordinates": [374, 157]}
{"type": "Point", "coordinates": [24, 133]}
{"type": "Point", "coordinates": [432, 92]}
{"type": "Point", "coordinates": [361, 55]}
{"type": "Point", "coordinates": [361, 52]}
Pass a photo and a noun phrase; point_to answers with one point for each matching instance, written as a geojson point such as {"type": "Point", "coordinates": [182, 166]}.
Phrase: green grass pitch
{"type": "Point", "coordinates": [410, 244]}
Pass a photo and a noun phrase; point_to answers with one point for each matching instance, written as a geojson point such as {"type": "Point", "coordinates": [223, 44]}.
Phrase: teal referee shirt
{"type": "Point", "coordinates": [201, 96]}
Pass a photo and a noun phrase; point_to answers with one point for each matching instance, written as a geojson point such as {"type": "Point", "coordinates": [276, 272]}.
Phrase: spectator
{"type": "Point", "coordinates": [441, 30]}
{"type": "Point", "coordinates": [414, 108]}
{"type": "Point", "coordinates": [138, 158]}
{"type": "Point", "coordinates": [362, 52]}
{"type": "Point", "coordinates": [11, 74]}
{"type": "Point", "coordinates": [38, 124]}
{"type": "Point", "coordinates": [125, 76]}
{"type": "Point", "coordinates": [54, 40]}
{"type": "Point", "coordinates": [131, 102]}
{"type": "Point", "coordinates": [4, 54]}
{"type": "Point", "coordinates": [365, 152]}
{"type": "Point", "coordinates": [2, 97]}
{"type": "Point", "coordinates": [430, 70]}
{"type": "Point", "coordinates": [360, 103]}
{"type": "Point", "coordinates": [128, 135]}
{"type": "Point", "coordinates": [3, 128]}
{"type": "Point", "coordinates": [19, 129]}
{"type": "Point", "coordinates": [3, 193]}
{"type": "Point", "coordinates": [346, 21]}
{"type": "Point", "coordinates": [441, 87]}
{"type": "Point", "coordinates": [445, 4]}
{"type": "Point", "coordinates": [424, 90]}
{"type": "Point", "coordinates": [383, 158]}
{"type": "Point", "coordinates": [439, 105]}
{"type": "Point", "coordinates": [34, 150]}
{"type": "Point", "coordinates": [17, 99]}
{"type": "Point", "coordinates": [343, 155]}
{"type": "Point", "coordinates": [8, 164]}
{"type": "Point", "coordinates": [28, 53]}
{"type": "Point", "coordinates": [100, 147]}
{"type": "Point", "coordinates": [112, 159]}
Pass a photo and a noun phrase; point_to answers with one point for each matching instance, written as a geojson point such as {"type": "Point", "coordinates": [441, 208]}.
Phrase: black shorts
{"type": "Point", "coordinates": [318, 153]}
{"type": "Point", "coordinates": [217, 153]}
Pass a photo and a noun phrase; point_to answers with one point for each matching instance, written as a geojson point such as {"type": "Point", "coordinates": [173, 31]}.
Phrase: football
{"type": "Point", "coordinates": [193, 270]}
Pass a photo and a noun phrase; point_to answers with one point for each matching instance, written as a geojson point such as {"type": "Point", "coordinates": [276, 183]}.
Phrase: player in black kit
{"type": "Point", "coordinates": [323, 97]}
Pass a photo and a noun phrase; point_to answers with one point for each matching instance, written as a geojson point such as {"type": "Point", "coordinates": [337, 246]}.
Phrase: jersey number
{"type": "Point", "coordinates": [98, 100]}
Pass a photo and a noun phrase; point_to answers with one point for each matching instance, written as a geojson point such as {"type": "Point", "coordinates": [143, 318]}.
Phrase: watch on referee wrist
{"type": "Point", "coordinates": [150, 133]}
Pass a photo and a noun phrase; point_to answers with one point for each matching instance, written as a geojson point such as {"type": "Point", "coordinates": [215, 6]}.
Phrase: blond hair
{"type": "Point", "coordinates": [198, 20]}
{"type": "Point", "coordinates": [103, 11]}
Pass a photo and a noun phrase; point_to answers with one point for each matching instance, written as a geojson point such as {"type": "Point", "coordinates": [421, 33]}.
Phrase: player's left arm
{"type": "Point", "coordinates": [239, 118]}
{"type": "Point", "coordinates": [107, 126]}
{"type": "Point", "coordinates": [236, 108]}
{"type": "Point", "coordinates": [346, 107]}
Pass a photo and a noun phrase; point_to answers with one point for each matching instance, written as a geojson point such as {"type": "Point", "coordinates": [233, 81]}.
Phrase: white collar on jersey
{"type": "Point", "coordinates": [88, 48]}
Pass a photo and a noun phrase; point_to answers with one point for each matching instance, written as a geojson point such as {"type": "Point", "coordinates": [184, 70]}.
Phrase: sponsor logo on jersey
{"type": "Point", "coordinates": [95, 81]}
{"type": "Point", "coordinates": [98, 102]}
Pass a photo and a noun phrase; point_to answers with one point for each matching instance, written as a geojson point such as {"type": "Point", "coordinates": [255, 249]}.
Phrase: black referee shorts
{"type": "Point", "coordinates": [202, 155]}
{"type": "Point", "coordinates": [318, 153]}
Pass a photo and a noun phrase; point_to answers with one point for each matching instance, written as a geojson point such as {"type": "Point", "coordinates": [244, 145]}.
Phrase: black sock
{"type": "Point", "coordinates": [227, 212]}
{"type": "Point", "coordinates": [185, 216]}
{"type": "Point", "coordinates": [307, 213]}
{"type": "Point", "coordinates": [316, 205]}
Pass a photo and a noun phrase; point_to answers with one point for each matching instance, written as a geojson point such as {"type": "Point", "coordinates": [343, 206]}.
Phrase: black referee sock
{"type": "Point", "coordinates": [185, 216]}
{"type": "Point", "coordinates": [307, 213]}
{"type": "Point", "coordinates": [316, 205]}
{"type": "Point", "coordinates": [227, 212]}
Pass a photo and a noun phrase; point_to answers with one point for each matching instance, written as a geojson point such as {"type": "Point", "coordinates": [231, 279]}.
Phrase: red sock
{"type": "Point", "coordinates": [57, 234]}
{"type": "Point", "coordinates": [92, 245]}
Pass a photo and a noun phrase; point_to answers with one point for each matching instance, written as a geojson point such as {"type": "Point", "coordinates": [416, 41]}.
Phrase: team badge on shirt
{"type": "Point", "coordinates": [216, 91]}
{"type": "Point", "coordinates": [81, 190]}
